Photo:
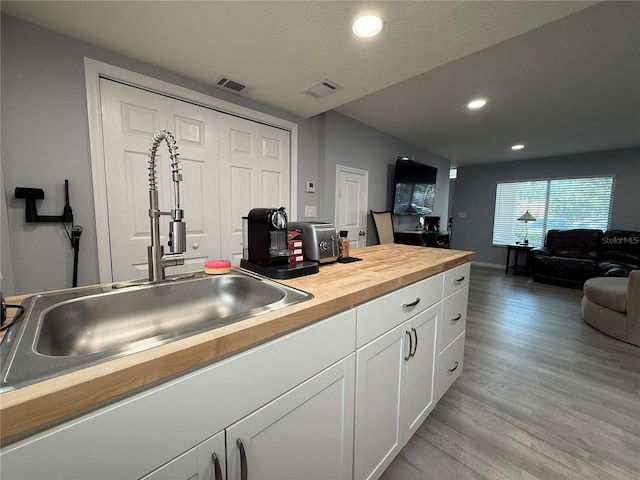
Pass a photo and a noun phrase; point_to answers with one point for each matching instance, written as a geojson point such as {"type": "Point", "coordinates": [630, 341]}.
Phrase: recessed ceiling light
{"type": "Point", "coordinates": [477, 103]}
{"type": "Point", "coordinates": [367, 26]}
{"type": "Point", "coordinates": [517, 147]}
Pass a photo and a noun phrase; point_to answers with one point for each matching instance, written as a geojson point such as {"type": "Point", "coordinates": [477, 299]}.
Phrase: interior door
{"type": "Point", "coordinates": [352, 187]}
{"type": "Point", "coordinates": [254, 172]}
{"type": "Point", "coordinates": [130, 117]}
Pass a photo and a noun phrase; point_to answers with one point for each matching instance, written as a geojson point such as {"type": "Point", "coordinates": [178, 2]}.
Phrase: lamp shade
{"type": "Point", "coordinates": [527, 217]}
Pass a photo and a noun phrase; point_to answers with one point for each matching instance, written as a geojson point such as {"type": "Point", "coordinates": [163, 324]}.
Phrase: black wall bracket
{"type": "Point", "coordinates": [32, 194]}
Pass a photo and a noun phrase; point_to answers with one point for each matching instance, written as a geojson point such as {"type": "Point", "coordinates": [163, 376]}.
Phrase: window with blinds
{"type": "Point", "coordinates": [561, 204]}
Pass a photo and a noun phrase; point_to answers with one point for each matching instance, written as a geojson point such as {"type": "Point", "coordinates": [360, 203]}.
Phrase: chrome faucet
{"type": "Point", "coordinates": [158, 261]}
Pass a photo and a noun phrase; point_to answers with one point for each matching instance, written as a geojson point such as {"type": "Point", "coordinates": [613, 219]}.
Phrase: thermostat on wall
{"type": "Point", "coordinates": [311, 187]}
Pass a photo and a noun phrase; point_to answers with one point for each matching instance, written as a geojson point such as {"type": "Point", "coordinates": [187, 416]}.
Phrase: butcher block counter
{"type": "Point", "coordinates": [336, 288]}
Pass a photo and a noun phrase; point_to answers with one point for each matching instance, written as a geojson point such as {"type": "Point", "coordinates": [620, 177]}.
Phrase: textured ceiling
{"type": "Point", "coordinates": [412, 81]}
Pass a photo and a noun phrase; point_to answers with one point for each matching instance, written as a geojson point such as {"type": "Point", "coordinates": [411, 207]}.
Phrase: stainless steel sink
{"type": "Point", "coordinates": [65, 331]}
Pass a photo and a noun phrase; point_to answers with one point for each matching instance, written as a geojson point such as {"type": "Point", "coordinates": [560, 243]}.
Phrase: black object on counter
{"type": "Point", "coordinates": [348, 260]}
{"type": "Point", "coordinates": [282, 272]}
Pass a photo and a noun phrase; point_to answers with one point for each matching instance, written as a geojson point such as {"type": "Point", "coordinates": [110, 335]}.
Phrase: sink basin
{"type": "Point", "coordinates": [73, 329]}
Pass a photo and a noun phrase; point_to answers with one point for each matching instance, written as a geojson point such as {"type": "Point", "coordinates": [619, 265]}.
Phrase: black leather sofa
{"type": "Point", "coordinates": [570, 257]}
{"type": "Point", "coordinates": [619, 253]}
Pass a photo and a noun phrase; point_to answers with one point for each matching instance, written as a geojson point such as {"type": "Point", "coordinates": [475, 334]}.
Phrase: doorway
{"type": "Point", "coordinates": [352, 194]}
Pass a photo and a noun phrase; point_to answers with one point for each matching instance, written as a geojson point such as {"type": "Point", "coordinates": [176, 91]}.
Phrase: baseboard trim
{"type": "Point", "coordinates": [488, 265]}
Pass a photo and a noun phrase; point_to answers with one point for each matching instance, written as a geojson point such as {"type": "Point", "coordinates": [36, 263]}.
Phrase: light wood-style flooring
{"type": "Point", "coordinates": [542, 396]}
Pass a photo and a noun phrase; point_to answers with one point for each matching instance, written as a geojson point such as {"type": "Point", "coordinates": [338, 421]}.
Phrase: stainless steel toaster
{"type": "Point", "coordinates": [319, 240]}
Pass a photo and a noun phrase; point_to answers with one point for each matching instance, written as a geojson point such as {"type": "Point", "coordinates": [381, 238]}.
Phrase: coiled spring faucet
{"type": "Point", "coordinates": [158, 261]}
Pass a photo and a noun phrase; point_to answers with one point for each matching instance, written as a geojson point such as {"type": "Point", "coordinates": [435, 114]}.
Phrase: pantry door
{"type": "Point", "coordinates": [130, 117]}
{"type": "Point", "coordinates": [254, 172]}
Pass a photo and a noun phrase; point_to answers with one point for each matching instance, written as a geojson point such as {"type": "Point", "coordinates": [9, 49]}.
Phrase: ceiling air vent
{"type": "Point", "coordinates": [322, 89]}
{"type": "Point", "coordinates": [234, 86]}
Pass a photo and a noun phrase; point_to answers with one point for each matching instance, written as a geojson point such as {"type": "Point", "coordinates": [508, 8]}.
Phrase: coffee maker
{"type": "Point", "coordinates": [268, 236]}
{"type": "Point", "coordinates": [267, 239]}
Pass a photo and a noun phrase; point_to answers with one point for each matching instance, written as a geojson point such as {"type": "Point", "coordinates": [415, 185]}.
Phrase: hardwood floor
{"type": "Point", "coordinates": [542, 396]}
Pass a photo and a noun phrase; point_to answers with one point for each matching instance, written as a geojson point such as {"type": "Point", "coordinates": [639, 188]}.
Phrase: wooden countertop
{"type": "Point", "coordinates": [336, 287]}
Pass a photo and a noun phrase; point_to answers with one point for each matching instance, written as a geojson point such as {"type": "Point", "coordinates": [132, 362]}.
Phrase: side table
{"type": "Point", "coordinates": [520, 269]}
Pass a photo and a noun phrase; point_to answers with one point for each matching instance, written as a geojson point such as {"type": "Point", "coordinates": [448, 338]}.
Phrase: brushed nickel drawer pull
{"type": "Point", "coordinates": [243, 460]}
{"type": "Point", "coordinates": [458, 280]}
{"type": "Point", "coordinates": [415, 347]}
{"type": "Point", "coordinates": [412, 304]}
{"type": "Point", "coordinates": [216, 467]}
{"type": "Point", "coordinates": [410, 345]}
{"type": "Point", "coordinates": [451, 370]}
{"type": "Point", "coordinates": [454, 320]}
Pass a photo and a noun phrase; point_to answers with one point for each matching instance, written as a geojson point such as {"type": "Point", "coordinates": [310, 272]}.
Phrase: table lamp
{"type": "Point", "coordinates": [526, 217]}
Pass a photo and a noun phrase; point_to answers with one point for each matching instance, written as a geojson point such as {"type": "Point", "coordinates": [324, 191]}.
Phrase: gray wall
{"type": "Point", "coordinates": [45, 140]}
{"type": "Point", "coordinates": [475, 192]}
{"type": "Point", "coordinates": [356, 145]}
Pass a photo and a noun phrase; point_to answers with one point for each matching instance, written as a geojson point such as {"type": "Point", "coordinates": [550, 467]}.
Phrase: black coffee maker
{"type": "Point", "coordinates": [267, 228]}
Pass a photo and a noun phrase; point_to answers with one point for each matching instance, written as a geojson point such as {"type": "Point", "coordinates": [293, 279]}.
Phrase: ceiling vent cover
{"type": "Point", "coordinates": [226, 83]}
{"type": "Point", "coordinates": [322, 89]}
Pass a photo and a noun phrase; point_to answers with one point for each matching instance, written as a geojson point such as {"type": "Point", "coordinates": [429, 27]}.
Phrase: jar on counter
{"type": "Point", "coordinates": [343, 244]}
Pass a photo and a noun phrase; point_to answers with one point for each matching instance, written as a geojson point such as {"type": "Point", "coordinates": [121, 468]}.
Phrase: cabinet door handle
{"type": "Point", "coordinates": [412, 304]}
{"type": "Point", "coordinates": [243, 460]}
{"type": "Point", "coordinates": [450, 370]}
{"type": "Point", "coordinates": [415, 347]}
{"type": "Point", "coordinates": [454, 320]}
{"type": "Point", "coordinates": [217, 471]}
{"type": "Point", "coordinates": [458, 280]}
{"type": "Point", "coordinates": [410, 345]}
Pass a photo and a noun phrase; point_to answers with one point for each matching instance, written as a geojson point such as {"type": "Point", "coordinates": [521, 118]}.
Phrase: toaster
{"type": "Point", "coordinates": [319, 240]}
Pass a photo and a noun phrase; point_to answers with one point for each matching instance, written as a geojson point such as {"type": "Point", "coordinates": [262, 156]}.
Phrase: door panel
{"type": "Point", "coordinates": [379, 409]}
{"type": "Point", "coordinates": [419, 379]}
{"type": "Point", "coordinates": [254, 172]}
{"type": "Point", "coordinates": [351, 203]}
{"type": "Point", "coordinates": [130, 117]}
{"type": "Point", "coordinates": [277, 439]}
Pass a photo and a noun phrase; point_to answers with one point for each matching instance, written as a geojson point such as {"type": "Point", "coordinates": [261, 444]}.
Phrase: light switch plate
{"type": "Point", "coordinates": [310, 211]}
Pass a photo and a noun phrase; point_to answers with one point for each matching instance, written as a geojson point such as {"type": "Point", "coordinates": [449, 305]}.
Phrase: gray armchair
{"type": "Point", "coordinates": [612, 305]}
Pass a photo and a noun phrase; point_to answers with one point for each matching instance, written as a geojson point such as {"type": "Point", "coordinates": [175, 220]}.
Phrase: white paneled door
{"type": "Point", "coordinates": [228, 166]}
{"type": "Point", "coordinates": [352, 187]}
{"type": "Point", "coordinates": [254, 172]}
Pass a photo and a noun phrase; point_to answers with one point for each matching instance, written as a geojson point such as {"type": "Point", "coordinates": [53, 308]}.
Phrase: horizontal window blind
{"type": "Point", "coordinates": [561, 204]}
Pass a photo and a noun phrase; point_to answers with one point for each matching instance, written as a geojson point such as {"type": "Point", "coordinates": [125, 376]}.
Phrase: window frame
{"type": "Point", "coordinates": [543, 217]}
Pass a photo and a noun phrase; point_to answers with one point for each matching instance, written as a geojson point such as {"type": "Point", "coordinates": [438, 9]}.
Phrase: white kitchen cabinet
{"type": "Point", "coordinates": [337, 399]}
{"type": "Point", "coordinates": [449, 365]}
{"type": "Point", "coordinates": [203, 462]}
{"type": "Point", "coordinates": [452, 328]}
{"type": "Point", "coordinates": [379, 407]}
{"type": "Point", "coordinates": [419, 367]}
{"type": "Point", "coordinates": [394, 391]}
{"type": "Point", "coordinates": [306, 433]}
{"type": "Point", "coordinates": [135, 436]}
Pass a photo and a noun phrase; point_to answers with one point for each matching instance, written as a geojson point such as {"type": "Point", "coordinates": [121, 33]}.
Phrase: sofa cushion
{"type": "Point", "coordinates": [565, 269]}
{"type": "Point", "coordinates": [610, 292]}
{"type": "Point", "coordinates": [576, 240]}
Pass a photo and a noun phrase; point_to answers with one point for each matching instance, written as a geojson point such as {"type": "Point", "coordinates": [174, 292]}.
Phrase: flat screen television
{"type": "Point", "coordinates": [414, 188]}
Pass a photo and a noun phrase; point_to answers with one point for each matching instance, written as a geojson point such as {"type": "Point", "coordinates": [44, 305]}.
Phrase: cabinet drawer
{"type": "Point", "coordinates": [454, 318]}
{"type": "Point", "coordinates": [449, 365]}
{"type": "Point", "coordinates": [456, 278]}
{"type": "Point", "coordinates": [382, 314]}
